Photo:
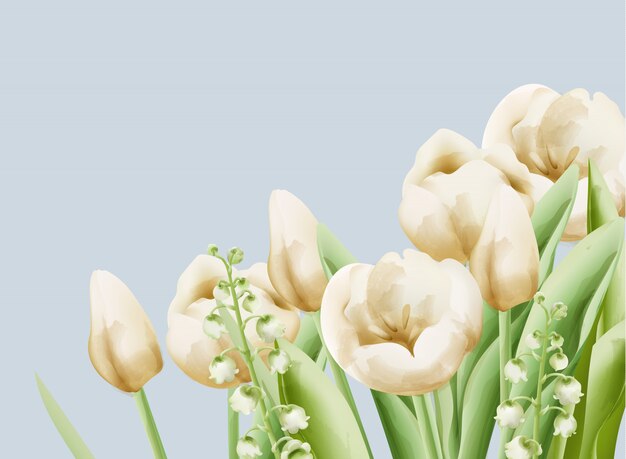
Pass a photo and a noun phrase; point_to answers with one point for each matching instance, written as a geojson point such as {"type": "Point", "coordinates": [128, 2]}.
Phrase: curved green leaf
{"type": "Point", "coordinates": [333, 430]}
{"type": "Point", "coordinates": [69, 434]}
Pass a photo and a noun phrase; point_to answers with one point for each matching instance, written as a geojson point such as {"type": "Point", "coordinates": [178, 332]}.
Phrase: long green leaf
{"type": "Point", "coordinates": [333, 431]}
{"type": "Point", "coordinates": [69, 434]}
{"type": "Point", "coordinates": [308, 339]}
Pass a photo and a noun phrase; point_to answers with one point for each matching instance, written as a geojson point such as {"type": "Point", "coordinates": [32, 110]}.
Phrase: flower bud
{"type": "Point", "coordinates": [221, 293]}
{"type": "Point", "coordinates": [559, 361]}
{"type": "Point", "coordinates": [235, 256]}
{"type": "Point", "coordinates": [292, 419]}
{"type": "Point", "coordinates": [213, 326]}
{"type": "Point", "coordinates": [223, 369]}
{"type": "Point", "coordinates": [539, 298]}
{"type": "Point", "coordinates": [245, 399]}
{"type": "Point", "coordinates": [295, 449]}
{"type": "Point", "coordinates": [248, 448]}
{"type": "Point", "coordinates": [505, 259]}
{"type": "Point", "coordinates": [567, 391]}
{"type": "Point", "coordinates": [510, 414]}
{"type": "Point", "coordinates": [556, 341]}
{"type": "Point", "coordinates": [522, 447]}
{"type": "Point", "coordinates": [213, 250]}
{"type": "Point", "coordinates": [251, 303]}
{"type": "Point", "coordinates": [241, 284]}
{"type": "Point", "coordinates": [565, 425]}
{"type": "Point", "coordinates": [515, 371]}
{"type": "Point", "coordinates": [533, 340]}
{"type": "Point", "coordinates": [559, 311]}
{"type": "Point", "coordinates": [279, 361]}
{"type": "Point", "coordinates": [123, 346]}
{"type": "Point", "coordinates": [269, 328]}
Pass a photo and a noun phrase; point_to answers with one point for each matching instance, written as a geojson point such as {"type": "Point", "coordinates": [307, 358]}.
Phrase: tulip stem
{"type": "Point", "coordinates": [233, 428]}
{"type": "Point", "coordinates": [504, 323]}
{"type": "Point", "coordinates": [427, 426]}
{"type": "Point", "coordinates": [148, 421]}
{"type": "Point", "coordinates": [248, 356]}
{"type": "Point", "coordinates": [341, 381]}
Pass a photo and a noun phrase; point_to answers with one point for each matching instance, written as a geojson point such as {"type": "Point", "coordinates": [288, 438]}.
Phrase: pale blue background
{"type": "Point", "coordinates": [132, 134]}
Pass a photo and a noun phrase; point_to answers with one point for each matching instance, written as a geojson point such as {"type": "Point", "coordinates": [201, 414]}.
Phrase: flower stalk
{"type": "Point", "coordinates": [427, 426]}
{"type": "Point", "coordinates": [148, 422]}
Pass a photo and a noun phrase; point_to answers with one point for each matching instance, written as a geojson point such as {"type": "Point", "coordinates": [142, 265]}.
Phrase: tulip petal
{"type": "Point", "coordinates": [505, 260]}
{"type": "Point", "coordinates": [258, 276]}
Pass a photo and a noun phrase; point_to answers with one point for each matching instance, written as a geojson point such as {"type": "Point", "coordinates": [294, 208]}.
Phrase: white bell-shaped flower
{"type": "Point", "coordinates": [269, 328]}
{"type": "Point", "coordinates": [223, 369]}
{"type": "Point", "coordinates": [559, 361]}
{"type": "Point", "coordinates": [295, 449]}
{"type": "Point", "coordinates": [515, 371]}
{"type": "Point", "coordinates": [293, 419]}
{"type": "Point", "coordinates": [522, 447]}
{"type": "Point", "coordinates": [213, 326]}
{"type": "Point", "coordinates": [565, 425]}
{"type": "Point", "coordinates": [248, 448]}
{"type": "Point", "coordinates": [533, 340]}
{"type": "Point", "coordinates": [279, 361]}
{"type": "Point", "coordinates": [245, 399]}
{"type": "Point", "coordinates": [568, 391]}
{"type": "Point", "coordinates": [510, 414]}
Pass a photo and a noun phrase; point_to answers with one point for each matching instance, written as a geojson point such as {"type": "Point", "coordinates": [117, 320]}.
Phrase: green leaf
{"type": "Point", "coordinates": [308, 339]}
{"type": "Point", "coordinates": [606, 386]}
{"type": "Point", "coordinates": [69, 434]}
{"type": "Point", "coordinates": [606, 440]}
{"type": "Point", "coordinates": [551, 215]}
{"type": "Point", "coordinates": [333, 430]}
{"type": "Point", "coordinates": [333, 253]}
{"type": "Point", "coordinates": [600, 205]}
{"type": "Point", "coordinates": [400, 426]}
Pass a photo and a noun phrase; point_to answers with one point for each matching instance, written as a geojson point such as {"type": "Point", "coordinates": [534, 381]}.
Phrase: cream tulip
{"type": "Point", "coordinates": [123, 346]}
{"type": "Point", "coordinates": [505, 259]}
{"type": "Point", "coordinates": [188, 344]}
{"type": "Point", "coordinates": [294, 265]}
{"type": "Point", "coordinates": [402, 326]}
{"type": "Point", "coordinates": [549, 132]}
{"type": "Point", "coordinates": [446, 194]}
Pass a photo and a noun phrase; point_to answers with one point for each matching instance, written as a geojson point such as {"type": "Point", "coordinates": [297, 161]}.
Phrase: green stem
{"type": "Point", "coordinates": [427, 426]}
{"type": "Point", "coordinates": [504, 325]}
{"type": "Point", "coordinates": [341, 381]}
{"type": "Point", "coordinates": [439, 420]}
{"type": "Point", "coordinates": [542, 367]}
{"type": "Point", "coordinates": [233, 428]}
{"type": "Point", "coordinates": [148, 422]}
{"type": "Point", "coordinates": [247, 356]}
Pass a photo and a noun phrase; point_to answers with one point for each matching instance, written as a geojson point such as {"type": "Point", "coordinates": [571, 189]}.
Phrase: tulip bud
{"type": "Point", "coordinates": [269, 328]}
{"type": "Point", "coordinates": [567, 391]}
{"type": "Point", "coordinates": [295, 449]}
{"type": "Point", "coordinates": [505, 260]}
{"type": "Point", "coordinates": [248, 448]}
{"type": "Point", "coordinates": [510, 414]}
{"type": "Point", "coordinates": [279, 361]}
{"type": "Point", "coordinates": [123, 346]}
{"type": "Point", "coordinates": [235, 256]}
{"type": "Point", "coordinates": [533, 340]}
{"type": "Point", "coordinates": [565, 425]}
{"type": "Point", "coordinates": [223, 369]}
{"type": "Point", "coordinates": [292, 419]}
{"type": "Point", "coordinates": [245, 399]}
{"type": "Point", "coordinates": [558, 361]}
{"type": "Point", "coordinates": [515, 371]}
{"type": "Point", "coordinates": [522, 447]}
{"type": "Point", "coordinates": [294, 265]}
{"type": "Point", "coordinates": [559, 311]}
{"type": "Point", "coordinates": [213, 326]}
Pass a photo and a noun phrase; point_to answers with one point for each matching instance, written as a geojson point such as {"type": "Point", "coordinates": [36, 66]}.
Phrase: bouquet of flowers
{"type": "Point", "coordinates": [477, 327]}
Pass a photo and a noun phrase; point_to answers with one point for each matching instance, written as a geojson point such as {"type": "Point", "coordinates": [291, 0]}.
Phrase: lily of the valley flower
{"type": "Point", "coordinates": [245, 399]}
{"type": "Point", "coordinates": [279, 361]}
{"type": "Point", "coordinates": [559, 361]}
{"type": "Point", "coordinates": [248, 448]}
{"type": "Point", "coordinates": [549, 131]}
{"type": "Point", "coordinates": [213, 326]}
{"type": "Point", "coordinates": [295, 449]}
{"type": "Point", "coordinates": [294, 264]}
{"type": "Point", "coordinates": [522, 447]}
{"type": "Point", "coordinates": [446, 195]}
{"type": "Point", "coordinates": [559, 311]}
{"type": "Point", "coordinates": [510, 414]}
{"type": "Point", "coordinates": [533, 340]}
{"type": "Point", "coordinates": [223, 369]}
{"type": "Point", "coordinates": [403, 325]}
{"type": "Point", "coordinates": [189, 346]}
{"type": "Point", "coordinates": [556, 341]}
{"type": "Point", "coordinates": [269, 328]}
{"type": "Point", "coordinates": [515, 371]}
{"type": "Point", "coordinates": [565, 425]}
{"type": "Point", "coordinates": [568, 391]}
{"type": "Point", "coordinates": [292, 419]}
{"type": "Point", "coordinates": [123, 347]}
{"type": "Point", "coordinates": [505, 259]}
